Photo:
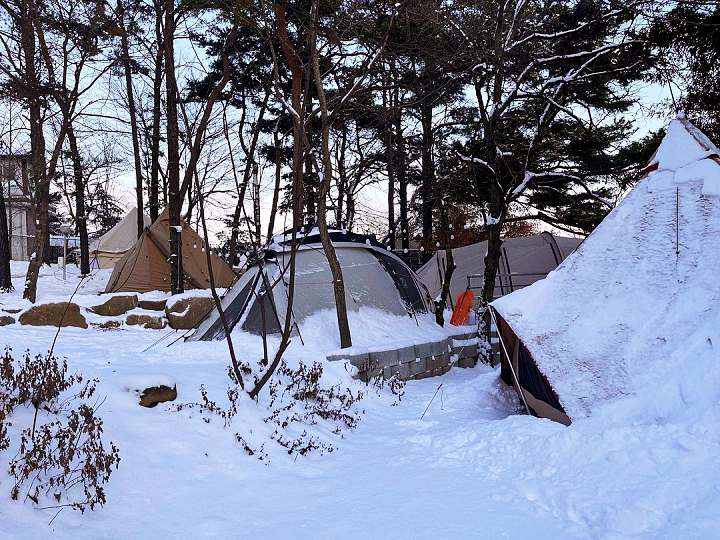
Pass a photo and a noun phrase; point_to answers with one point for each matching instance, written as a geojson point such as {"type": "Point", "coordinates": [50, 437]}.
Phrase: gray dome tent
{"type": "Point", "coordinates": [523, 261]}
{"type": "Point", "coordinates": [374, 277]}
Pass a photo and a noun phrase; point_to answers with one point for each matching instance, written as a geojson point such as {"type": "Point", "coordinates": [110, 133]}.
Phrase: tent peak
{"type": "Point", "coordinates": [682, 145]}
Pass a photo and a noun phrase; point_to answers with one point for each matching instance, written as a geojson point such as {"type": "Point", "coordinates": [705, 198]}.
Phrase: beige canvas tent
{"type": "Point", "coordinates": [523, 261]}
{"type": "Point", "coordinates": [111, 246]}
{"type": "Point", "coordinates": [145, 267]}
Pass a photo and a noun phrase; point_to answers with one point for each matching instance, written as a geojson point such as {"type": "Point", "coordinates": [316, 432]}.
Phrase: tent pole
{"type": "Point", "coordinates": [512, 370]}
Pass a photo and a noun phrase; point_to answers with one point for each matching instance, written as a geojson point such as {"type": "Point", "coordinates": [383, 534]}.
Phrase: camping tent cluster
{"type": "Point", "coordinates": [373, 277]}
{"type": "Point", "coordinates": [639, 295]}
{"type": "Point", "coordinates": [145, 266]}
{"type": "Point", "coordinates": [523, 261]}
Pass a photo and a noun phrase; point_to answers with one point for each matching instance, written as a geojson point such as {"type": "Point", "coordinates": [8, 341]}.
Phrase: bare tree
{"type": "Point", "coordinates": [128, 73]}
{"type": "Point", "coordinates": [328, 248]}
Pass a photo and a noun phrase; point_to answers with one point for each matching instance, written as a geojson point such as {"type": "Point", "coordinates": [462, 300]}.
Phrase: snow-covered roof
{"type": "Point", "coordinates": [640, 297]}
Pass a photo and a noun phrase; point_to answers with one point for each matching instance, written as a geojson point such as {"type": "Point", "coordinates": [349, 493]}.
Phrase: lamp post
{"type": "Point", "coordinates": [66, 231]}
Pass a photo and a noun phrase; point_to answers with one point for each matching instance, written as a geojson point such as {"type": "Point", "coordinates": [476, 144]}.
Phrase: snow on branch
{"type": "Point", "coordinates": [470, 159]}
{"type": "Point", "coordinates": [553, 176]}
{"type": "Point", "coordinates": [554, 35]}
{"type": "Point", "coordinates": [593, 52]}
{"type": "Point", "coordinates": [571, 76]}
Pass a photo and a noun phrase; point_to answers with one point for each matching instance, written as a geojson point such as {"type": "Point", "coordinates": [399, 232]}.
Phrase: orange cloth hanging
{"type": "Point", "coordinates": [462, 308]}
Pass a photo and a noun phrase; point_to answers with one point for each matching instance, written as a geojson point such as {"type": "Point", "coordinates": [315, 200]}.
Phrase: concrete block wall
{"type": "Point", "coordinates": [417, 361]}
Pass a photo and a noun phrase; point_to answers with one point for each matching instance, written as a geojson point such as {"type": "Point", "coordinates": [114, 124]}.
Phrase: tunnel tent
{"type": "Point", "coordinates": [373, 276]}
{"type": "Point", "coordinates": [145, 267]}
{"type": "Point", "coordinates": [523, 261]}
{"type": "Point", "coordinates": [108, 249]}
{"type": "Point", "coordinates": [636, 306]}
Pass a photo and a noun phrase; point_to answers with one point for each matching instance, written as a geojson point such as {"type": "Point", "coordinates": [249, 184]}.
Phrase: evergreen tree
{"type": "Point", "coordinates": [687, 41]}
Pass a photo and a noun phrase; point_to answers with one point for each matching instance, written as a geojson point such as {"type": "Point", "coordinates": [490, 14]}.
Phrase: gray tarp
{"type": "Point", "coordinates": [524, 260]}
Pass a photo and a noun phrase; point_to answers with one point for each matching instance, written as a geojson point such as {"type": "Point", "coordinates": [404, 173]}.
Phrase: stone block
{"type": "Point", "coordinates": [146, 321]}
{"type": "Point", "coordinates": [187, 313]}
{"type": "Point", "coordinates": [423, 350]}
{"type": "Point", "coordinates": [417, 366]}
{"type": "Point", "coordinates": [59, 314]}
{"type": "Point", "coordinates": [384, 358]}
{"type": "Point", "coordinates": [116, 305]}
{"type": "Point", "coordinates": [152, 305]}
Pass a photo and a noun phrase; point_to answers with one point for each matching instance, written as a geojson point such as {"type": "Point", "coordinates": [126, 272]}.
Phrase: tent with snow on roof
{"type": "Point", "coordinates": [373, 276]}
{"type": "Point", "coordinates": [145, 267]}
{"type": "Point", "coordinates": [111, 246]}
{"type": "Point", "coordinates": [640, 294]}
{"type": "Point", "coordinates": [523, 261]}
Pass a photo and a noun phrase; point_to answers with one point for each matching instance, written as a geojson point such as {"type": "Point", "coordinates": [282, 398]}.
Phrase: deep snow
{"type": "Point", "coordinates": [471, 468]}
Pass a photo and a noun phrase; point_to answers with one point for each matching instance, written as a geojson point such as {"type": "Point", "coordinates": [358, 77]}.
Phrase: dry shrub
{"type": "Point", "coordinates": [298, 403]}
{"type": "Point", "coordinates": [298, 397]}
{"type": "Point", "coordinates": [394, 384]}
{"type": "Point", "coordinates": [64, 456]}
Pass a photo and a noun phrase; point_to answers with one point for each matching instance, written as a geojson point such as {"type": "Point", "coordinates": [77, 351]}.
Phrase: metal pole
{"type": "Point", "coordinates": [65, 246]}
{"type": "Point", "coordinates": [509, 360]}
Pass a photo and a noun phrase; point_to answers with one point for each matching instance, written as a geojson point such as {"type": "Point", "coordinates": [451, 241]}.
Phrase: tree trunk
{"type": "Point", "coordinates": [137, 158]}
{"type": "Point", "coordinates": [441, 302]}
{"type": "Point", "coordinates": [213, 291]}
{"type": "Point", "coordinates": [428, 172]}
{"type": "Point", "coordinates": [276, 187]}
{"type": "Point", "coordinates": [214, 95]}
{"type": "Point", "coordinates": [175, 198]}
{"type": "Point", "coordinates": [296, 71]}
{"type": "Point", "coordinates": [310, 195]}
{"type": "Point", "coordinates": [153, 192]}
{"type": "Point", "coordinates": [247, 173]}
{"type": "Point", "coordinates": [342, 178]}
{"type": "Point", "coordinates": [308, 178]}
{"type": "Point", "coordinates": [5, 275]}
{"type": "Point", "coordinates": [390, 164]}
{"type": "Point", "coordinates": [328, 248]}
{"type": "Point", "coordinates": [80, 214]}
{"type": "Point", "coordinates": [37, 149]}
{"type": "Point", "coordinates": [401, 179]}
{"type": "Point", "coordinates": [349, 209]}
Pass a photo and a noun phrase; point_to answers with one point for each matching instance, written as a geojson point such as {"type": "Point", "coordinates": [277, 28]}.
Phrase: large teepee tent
{"type": "Point", "coordinates": [635, 304]}
{"type": "Point", "coordinates": [110, 247]}
{"type": "Point", "coordinates": [373, 276]}
{"type": "Point", "coordinates": [145, 267]}
{"type": "Point", "coordinates": [523, 261]}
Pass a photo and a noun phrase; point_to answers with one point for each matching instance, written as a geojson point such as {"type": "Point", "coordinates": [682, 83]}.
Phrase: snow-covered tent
{"type": "Point", "coordinates": [638, 300]}
{"type": "Point", "coordinates": [145, 267]}
{"type": "Point", "coordinates": [373, 277]}
{"type": "Point", "coordinates": [111, 246]}
{"type": "Point", "coordinates": [523, 260]}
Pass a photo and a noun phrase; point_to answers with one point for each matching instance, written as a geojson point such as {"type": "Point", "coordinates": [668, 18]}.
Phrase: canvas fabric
{"type": "Point", "coordinates": [107, 250]}
{"type": "Point", "coordinates": [534, 256]}
{"type": "Point", "coordinates": [145, 267]}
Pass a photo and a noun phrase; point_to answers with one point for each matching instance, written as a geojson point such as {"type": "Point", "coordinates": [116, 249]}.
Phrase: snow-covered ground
{"type": "Point", "coordinates": [471, 468]}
